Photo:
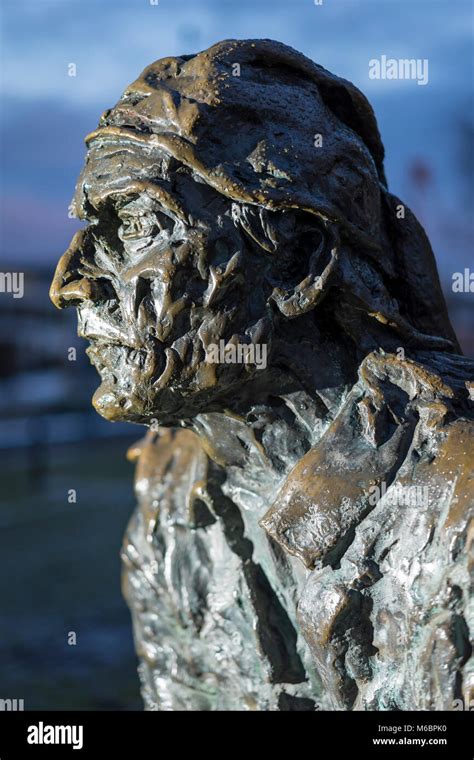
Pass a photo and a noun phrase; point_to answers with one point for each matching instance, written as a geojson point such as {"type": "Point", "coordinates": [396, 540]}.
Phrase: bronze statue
{"type": "Point", "coordinates": [255, 295]}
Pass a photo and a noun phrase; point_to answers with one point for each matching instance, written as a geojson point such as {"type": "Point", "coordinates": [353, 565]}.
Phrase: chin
{"type": "Point", "coordinates": [129, 392]}
{"type": "Point", "coordinates": [126, 376]}
{"type": "Point", "coordinates": [116, 405]}
{"type": "Point", "coordinates": [168, 409]}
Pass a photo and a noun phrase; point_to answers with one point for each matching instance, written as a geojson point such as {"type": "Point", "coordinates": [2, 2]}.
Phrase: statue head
{"type": "Point", "coordinates": [238, 221]}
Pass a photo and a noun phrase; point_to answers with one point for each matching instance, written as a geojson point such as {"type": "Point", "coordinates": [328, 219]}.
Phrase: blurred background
{"type": "Point", "coordinates": [60, 557]}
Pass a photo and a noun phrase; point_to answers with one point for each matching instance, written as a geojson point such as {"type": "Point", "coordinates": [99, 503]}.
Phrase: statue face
{"type": "Point", "coordinates": [169, 266]}
{"type": "Point", "coordinates": [157, 277]}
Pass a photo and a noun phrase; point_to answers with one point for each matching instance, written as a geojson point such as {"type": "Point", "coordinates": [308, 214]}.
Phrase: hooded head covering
{"type": "Point", "coordinates": [262, 124]}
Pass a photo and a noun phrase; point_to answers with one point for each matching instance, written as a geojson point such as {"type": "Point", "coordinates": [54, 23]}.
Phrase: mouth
{"type": "Point", "coordinates": [142, 376]}
{"type": "Point", "coordinates": [132, 380]}
{"type": "Point", "coordinates": [122, 365]}
{"type": "Point", "coordinates": [111, 360]}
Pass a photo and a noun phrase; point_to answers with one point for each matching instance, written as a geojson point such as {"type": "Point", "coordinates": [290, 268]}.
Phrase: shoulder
{"type": "Point", "coordinates": [406, 422]}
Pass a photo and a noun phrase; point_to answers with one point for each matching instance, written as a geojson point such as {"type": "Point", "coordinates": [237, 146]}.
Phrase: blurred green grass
{"type": "Point", "coordinates": [61, 573]}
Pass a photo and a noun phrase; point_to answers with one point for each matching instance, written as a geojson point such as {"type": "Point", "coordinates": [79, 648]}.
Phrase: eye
{"type": "Point", "coordinates": [135, 226]}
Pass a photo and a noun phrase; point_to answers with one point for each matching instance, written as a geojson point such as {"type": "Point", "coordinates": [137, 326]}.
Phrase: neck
{"type": "Point", "coordinates": [267, 425]}
{"type": "Point", "coordinates": [271, 433]}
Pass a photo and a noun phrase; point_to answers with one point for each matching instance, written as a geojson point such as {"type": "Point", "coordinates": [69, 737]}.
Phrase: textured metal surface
{"type": "Point", "coordinates": [261, 571]}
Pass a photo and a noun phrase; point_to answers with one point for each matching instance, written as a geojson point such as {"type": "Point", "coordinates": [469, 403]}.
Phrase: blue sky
{"type": "Point", "coordinates": [46, 113]}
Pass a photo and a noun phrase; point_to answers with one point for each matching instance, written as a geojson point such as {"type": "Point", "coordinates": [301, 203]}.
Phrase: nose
{"type": "Point", "coordinates": [68, 286]}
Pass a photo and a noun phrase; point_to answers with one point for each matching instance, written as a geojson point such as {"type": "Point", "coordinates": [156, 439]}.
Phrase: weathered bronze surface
{"type": "Point", "coordinates": [302, 531]}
